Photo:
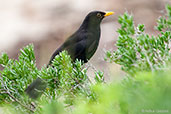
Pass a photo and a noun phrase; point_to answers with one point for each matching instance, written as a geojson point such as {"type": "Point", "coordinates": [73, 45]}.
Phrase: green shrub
{"type": "Point", "coordinates": [142, 94]}
{"type": "Point", "coordinates": [64, 79]}
{"type": "Point", "coordinates": [138, 51]}
{"type": "Point", "coordinates": [164, 22]}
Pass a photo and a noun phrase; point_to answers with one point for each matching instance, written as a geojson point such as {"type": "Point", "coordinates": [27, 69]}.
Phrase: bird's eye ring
{"type": "Point", "coordinates": [99, 15]}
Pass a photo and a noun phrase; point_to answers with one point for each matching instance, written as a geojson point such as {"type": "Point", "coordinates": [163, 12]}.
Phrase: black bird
{"type": "Point", "coordinates": [81, 45]}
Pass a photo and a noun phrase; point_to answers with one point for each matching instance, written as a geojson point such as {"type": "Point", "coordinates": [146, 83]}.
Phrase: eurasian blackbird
{"type": "Point", "coordinates": [81, 45]}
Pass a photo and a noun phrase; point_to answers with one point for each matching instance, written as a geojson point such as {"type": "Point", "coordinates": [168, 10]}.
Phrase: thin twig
{"type": "Point", "coordinates": [148, 60]}
{"type": "Point", "coordinates": [19, 102]}
{"type": "Point", "coordinates": [6, 91]}
{"type": "Point", "coordinates": [91, 66]}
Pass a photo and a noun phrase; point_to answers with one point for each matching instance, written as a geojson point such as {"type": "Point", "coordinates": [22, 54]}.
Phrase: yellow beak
{"type": "Point", "coordinates": [108, 13]}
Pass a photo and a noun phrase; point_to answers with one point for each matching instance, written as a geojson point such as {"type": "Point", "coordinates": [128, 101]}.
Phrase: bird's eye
{"type": "Point", "coordinates": [99, 15]}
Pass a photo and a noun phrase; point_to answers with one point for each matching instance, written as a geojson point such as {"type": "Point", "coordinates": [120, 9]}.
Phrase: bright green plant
{"type": "Point", "coordinates": [15, 76]}
{"type": "Point", "coordinates": [64, 79]}
{"type": "Point", "coordinates": [164, 22]}
{"type": "Point", "coordinates": [145, 93]}
{"type": "Point", "coordinates": [138, 51]}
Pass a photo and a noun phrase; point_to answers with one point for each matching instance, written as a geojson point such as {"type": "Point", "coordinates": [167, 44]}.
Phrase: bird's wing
{"type": "Point", "coordinates": [92, 46]}
{"type": "Point", "coordinates": [77, 49]}
{"type": "Point", "coordinates": [76, 37]}
{"type": "Point", "coordinates": [76, 45]}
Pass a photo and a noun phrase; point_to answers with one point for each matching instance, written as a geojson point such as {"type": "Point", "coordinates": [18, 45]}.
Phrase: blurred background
{"type": "Point", "coordinates": [47, 24]}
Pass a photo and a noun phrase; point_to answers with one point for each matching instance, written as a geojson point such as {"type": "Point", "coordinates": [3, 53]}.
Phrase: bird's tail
{"type": "Point", "coordinates": [35, 89]}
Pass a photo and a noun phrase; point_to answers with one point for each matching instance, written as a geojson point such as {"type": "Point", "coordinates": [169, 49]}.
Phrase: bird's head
{"type": "Point", "coordinates": [95, 17]}
{"type": "Point", "coordinates": [98, 15]}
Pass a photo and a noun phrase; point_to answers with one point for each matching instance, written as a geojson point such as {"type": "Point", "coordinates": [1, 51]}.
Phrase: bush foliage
{"type": "Point", "coordinates": [64, 78]}
{"type": "Point", "coordinates": [138, 51]}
